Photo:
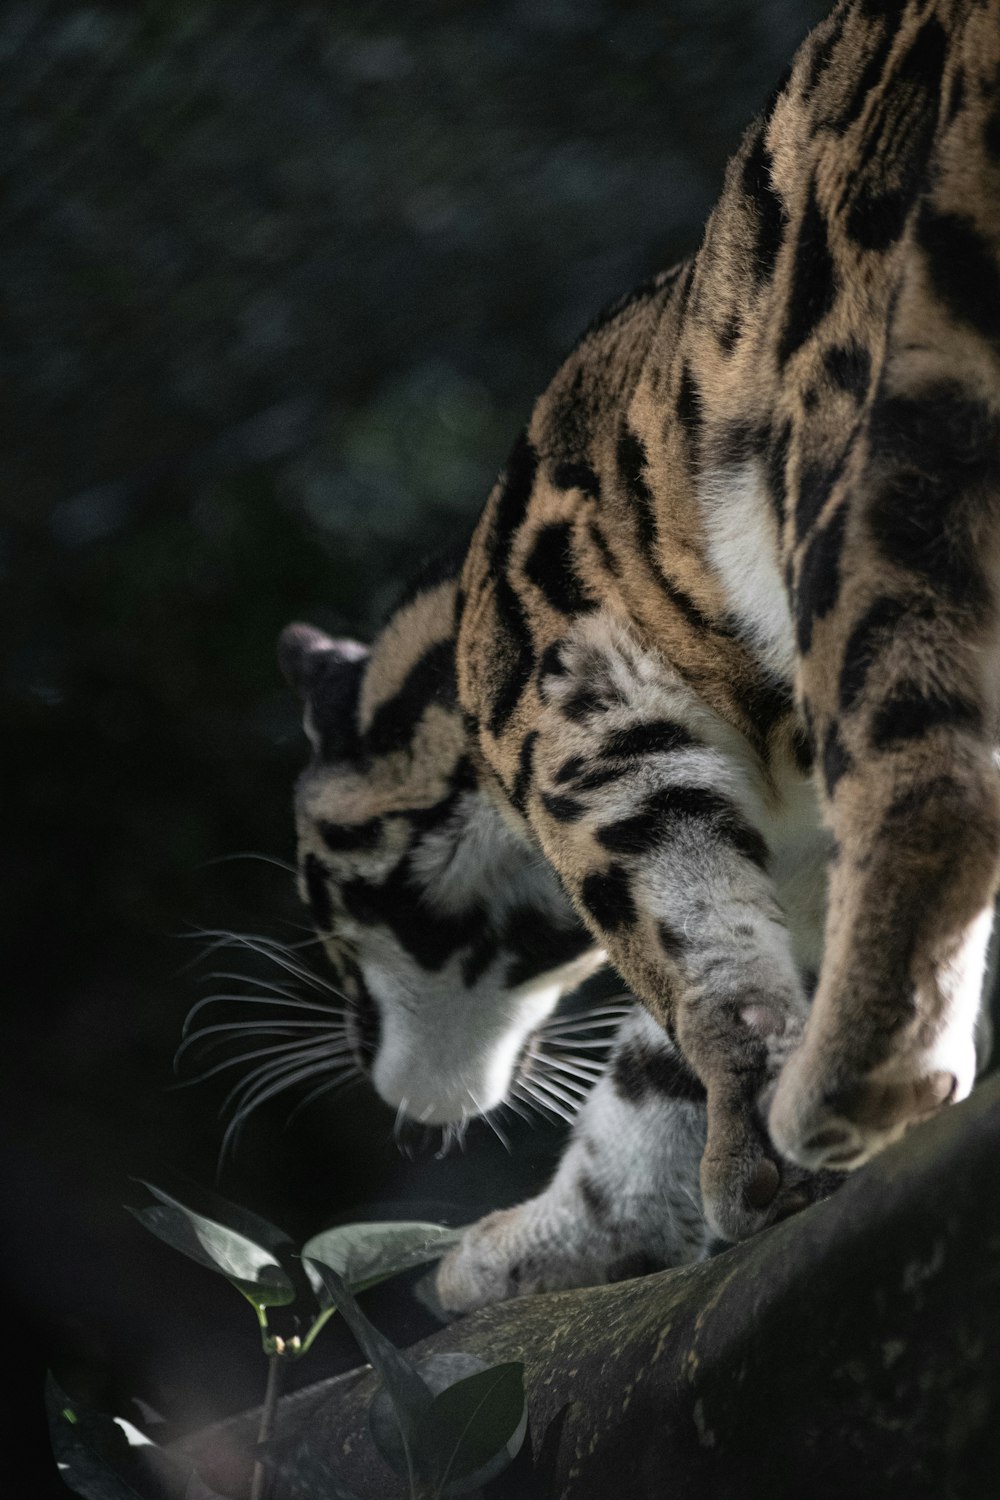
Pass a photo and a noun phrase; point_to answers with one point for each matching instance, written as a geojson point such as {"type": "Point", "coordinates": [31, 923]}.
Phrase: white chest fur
{"type": "Point", "coordinates": [742, 540]}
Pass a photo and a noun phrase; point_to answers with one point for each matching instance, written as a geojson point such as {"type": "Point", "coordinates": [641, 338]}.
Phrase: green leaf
{"type": "Point", "coordinates": [410, 1396]}
{"type": "Point", "coordinates": [90, 1450]}
{"type": "Point", "coordinates": [364, 1254]}
{"type": "Point", "coordinates": [223, 1211]}
{"type": "Point", "coordinates": [252, 1267]}
{"type": "Point", "coordinates": [473, 1429]}
{"type": "Point", "coordinates": [105, 1458]}
{"type": "Point", "coordinates": [437, 1371]}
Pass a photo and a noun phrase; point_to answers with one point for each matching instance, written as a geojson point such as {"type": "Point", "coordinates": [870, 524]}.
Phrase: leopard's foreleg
{"type": "Point", "coordinates": [645, 802]}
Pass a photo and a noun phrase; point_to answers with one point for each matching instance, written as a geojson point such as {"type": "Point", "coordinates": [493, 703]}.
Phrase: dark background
{"type": "Point", "coordinates": [280, 282]}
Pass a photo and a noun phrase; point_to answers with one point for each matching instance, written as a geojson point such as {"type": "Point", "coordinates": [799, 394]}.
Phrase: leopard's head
{"type": "Point", "coordinates": [449, 935]}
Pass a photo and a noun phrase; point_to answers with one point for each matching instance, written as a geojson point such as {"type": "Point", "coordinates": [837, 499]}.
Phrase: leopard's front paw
{"type": "Point", "coordinates": [485, 1266]}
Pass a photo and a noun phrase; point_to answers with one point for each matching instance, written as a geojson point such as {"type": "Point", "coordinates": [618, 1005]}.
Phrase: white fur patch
{"type": "Point", "coordinates": [448, 1051]}
{"type": "Point", "coordinates": [742, 548]}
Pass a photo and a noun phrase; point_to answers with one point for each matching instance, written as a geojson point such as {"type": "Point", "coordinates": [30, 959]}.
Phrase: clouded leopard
{"type": "Point", "coordinates": [712, 696]}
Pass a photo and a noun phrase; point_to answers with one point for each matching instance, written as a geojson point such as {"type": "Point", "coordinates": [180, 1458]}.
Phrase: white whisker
{"type": "Point", "coordinates": [579, 1028]}
{"type": "Point", "coordinates": [263, 993]}
{"type": "Point", "coordinates": [228, 937]}
{"type": "Point", "coordinates": [251, 854]}
{"type": "Point", "coordinates": [279, 955]}
{"type": "Point", "coordinates": [254, 1100]}
{"type": "Point", "coordinates": [556, 1091]}
{"type": "Point", "coordinates": [586, 1072]}
{"type": "Point", "coordinates": [334, 1020]}
{"type": "Point", "coordinates": [516, 1109]}
{"type": "Point", "coordinates": [579, 1090]}
{"type": "Point", "coordinates": [334, 1012]}
{"type": "Point", "coordinates": [526, 1091]}
{"type": "Point", "coordinates": [571, 1092]}
{"type": "Point", "coordinates": [286, 1062]}
{"type": "Point", "coordinates": [571, 1043]}
{"type": "Point", "coordinates": [397, 1124]}
{"type": "Point", "coordinates": [273, 1079]}
{"type": "Point", "coordinates": [301, 1036]}
{"type": "Point", "coordinates": [456, 1130]}
{"type": "Point", "coordinates": [485, 1115]}
{"type": "Point", "coordinates": [501, 1135]}
{"type": "Point", "coordinates": [606, 1013]}
{"type": "Point", "coordinates": [218, 939]}
{"type": "Point", "coordinates": [349, 1073]}
{"type": "Point", "coordinates": [226, 1029]}
{"type": "Point", "coordinates": [340, 1049]}
{"type": "Point", "coordinates": [593, 1065]}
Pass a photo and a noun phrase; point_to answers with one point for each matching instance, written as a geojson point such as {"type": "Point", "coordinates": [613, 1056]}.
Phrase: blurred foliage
{"type": "Point", "coordinates": [280, 284]}
{"type": "Point", "coordinates": [281, 281]}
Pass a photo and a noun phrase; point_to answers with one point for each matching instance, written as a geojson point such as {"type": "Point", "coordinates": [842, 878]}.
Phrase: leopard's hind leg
{"type": "Point", "coordinates": [625, 1198]}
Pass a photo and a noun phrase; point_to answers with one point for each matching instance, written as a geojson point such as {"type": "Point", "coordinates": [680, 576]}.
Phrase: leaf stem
{"type": "Point", "coordinates": [323, 1317]}
{"type": "Point", "coordinates": [275, 1370]}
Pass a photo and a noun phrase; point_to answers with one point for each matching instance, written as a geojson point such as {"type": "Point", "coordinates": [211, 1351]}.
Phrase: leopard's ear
{"type": "Point", "coordinates": [307, 656]}
{"type": "Point", "coordinates": [326, 674]}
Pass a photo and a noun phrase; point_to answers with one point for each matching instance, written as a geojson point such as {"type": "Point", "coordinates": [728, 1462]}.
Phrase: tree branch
{"type": "Point", "coordinates": [854, 1349]}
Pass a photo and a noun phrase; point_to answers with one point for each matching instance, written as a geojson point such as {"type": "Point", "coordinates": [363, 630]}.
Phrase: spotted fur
{"type": "Point", "coordinates": [722, 668]}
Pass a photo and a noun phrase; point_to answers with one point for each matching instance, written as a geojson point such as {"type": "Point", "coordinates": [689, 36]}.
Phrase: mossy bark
{"type": "Point", "coordinates": [853, 1350]}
